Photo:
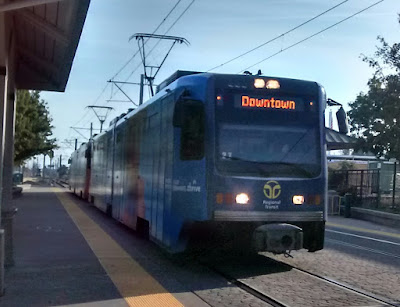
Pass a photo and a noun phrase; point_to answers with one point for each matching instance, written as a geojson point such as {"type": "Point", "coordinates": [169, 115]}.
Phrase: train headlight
{"type": "Point", "coordinates": [298, 199]}
{"type": "Point", "coordinates": [259, 83]}
{"type": "Point", "coordinates": [242, 199]}
{"type": "Point", "coordinates": [273, 85]}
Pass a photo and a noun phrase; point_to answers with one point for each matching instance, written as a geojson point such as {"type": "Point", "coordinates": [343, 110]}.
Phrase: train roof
{"type": "Point", "coordinates": [176, 75]}
{"type": "Point", "coordinates": [179, 74]}
{"type": "Point", "coordinates": [165, 86]}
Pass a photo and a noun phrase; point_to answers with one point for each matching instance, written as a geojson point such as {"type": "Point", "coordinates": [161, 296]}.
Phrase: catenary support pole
{"type": "Point", "coordinates": [141, 89]}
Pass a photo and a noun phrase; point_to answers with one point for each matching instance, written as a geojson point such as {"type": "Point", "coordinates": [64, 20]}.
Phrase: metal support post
{"type": "Point", "coordinates": [141, 89]}
{"type": "Point", "coordinates": [76, 144]}
{"type": "Point", "coordinates": [2, 254]}
{"type": "Point", "coordinates": [361, 186]}
{"type": "Point", "coordinates": [394, 183]}
{"type": "Point", "coordinates": [149, 75]}
{"type": "Point", "coordinates": [101, 117]}
{"type": "Point", "coordinates": [378, 198]}
{"type": "Point", "coordinates": [2, 102]}
{"type": "Point", "coordinates": [44, 164]}
{"type": "Point", "coordinates": [8, 210]}
{"type": "Point", "coordinates": [347, 205]}
{"type": "Point", "coordinates": [60, 160]}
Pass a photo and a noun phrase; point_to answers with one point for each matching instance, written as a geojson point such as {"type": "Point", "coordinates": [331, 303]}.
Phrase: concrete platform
{"type": "Point", "coordinates": [63, 257]}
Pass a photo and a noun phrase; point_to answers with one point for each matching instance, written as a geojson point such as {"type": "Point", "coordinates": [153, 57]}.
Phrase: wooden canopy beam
{"type": "Point", "coordinates": [44, 26]}
{"type": "Point", "coordinates": [21, 4]}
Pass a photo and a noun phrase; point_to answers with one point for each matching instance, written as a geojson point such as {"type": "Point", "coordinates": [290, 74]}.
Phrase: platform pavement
{"type": "Point", "coordinates": [54, 265]}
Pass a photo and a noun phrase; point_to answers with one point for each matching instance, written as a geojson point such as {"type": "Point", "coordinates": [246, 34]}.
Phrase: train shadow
{"type": "Point", "coordinates": [240, 264]}
{"type": "Point", "coordinates": [207, 272]}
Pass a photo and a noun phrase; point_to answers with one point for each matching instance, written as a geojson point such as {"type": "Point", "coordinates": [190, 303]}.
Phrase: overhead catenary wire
{"type": "Point", "coordinates": [313, 35]}
{"type": "Point", "coordinates": [94, 102]}
{"type": "Point", "coordinates": [137, 52]}
{"type": "Point", "coordinates": [173, 24]}
{"type": "Point", "coordinates": [126, 64]}
{"type": "Point", "coordinates": [279, 36]}
{"type": "Point", "coordinates": [169, 29]}
{"type": "Point", "coordinates": [152, 49]}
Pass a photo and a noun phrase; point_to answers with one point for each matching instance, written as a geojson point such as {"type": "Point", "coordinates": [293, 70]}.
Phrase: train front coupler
{"type": "Point", "coordinates": [277, 238]}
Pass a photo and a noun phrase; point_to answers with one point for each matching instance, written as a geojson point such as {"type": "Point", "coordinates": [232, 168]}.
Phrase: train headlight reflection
{"type": "Point", "coordinates": [298, 199]}
{"type": "Point", "coordinates": [242, 198]}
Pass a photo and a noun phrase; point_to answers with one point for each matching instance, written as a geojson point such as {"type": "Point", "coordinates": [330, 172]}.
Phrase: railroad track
{"type": "Point", "coordinates": [361, 292]}
{"type": "Point", "coordinates": [251, 290]}
{"type": "Point", "coordinates": [374, 300]}
{"type": "Point", "coordinates": [60, 183]}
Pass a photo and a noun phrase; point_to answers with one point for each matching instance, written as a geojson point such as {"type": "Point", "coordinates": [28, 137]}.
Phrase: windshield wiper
{"type": "Point", "coordinates": [237, 159]}
{"type": "Point", "coordinates": [297, 167]}
{"type": "Point", "coordinates": [294, 166]}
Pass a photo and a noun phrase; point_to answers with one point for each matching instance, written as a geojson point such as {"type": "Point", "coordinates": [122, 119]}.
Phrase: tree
{"type": "Point", "coordinates": [32, 127]}
{"type": "Point", "coordinates": [375, 115]}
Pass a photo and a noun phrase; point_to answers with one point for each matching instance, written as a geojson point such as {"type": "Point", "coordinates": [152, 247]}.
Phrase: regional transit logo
{"type": "Point", "coordinates": [272, 189]}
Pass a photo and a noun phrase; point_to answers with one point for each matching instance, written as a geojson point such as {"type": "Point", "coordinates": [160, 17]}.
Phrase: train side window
{"type": "Point", "coordinates": [192, 131]}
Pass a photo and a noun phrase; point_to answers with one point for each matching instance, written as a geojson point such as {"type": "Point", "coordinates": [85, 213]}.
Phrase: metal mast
{"type": "Point", "coordinates": [151, 71]}
{"type": "Point", "coordinates": [101, 117]}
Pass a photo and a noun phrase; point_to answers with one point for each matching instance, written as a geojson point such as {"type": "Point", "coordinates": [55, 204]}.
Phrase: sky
{"type": "Point", "coordinates": [217, 31]}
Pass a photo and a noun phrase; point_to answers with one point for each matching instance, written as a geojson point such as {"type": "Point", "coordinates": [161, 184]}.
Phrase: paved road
{"type": "Point", "coordinates": [364, 239]}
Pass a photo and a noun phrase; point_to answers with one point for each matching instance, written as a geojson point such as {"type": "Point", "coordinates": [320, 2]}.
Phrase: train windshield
{"type": "Point", "coordinates": [269, 150]}
{"type": "Point", "coordinates": [268, 134]}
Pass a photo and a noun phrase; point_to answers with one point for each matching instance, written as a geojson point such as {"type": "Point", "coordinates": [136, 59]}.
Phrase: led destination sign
{"type": "Point", "coordinates": [258, 102]}
{"type": "Point", "coordinates": [271, 103]}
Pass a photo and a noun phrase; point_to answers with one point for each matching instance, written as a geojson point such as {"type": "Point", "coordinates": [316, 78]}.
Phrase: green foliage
{"type": "Point", "coordinates": [375, 116]}
{"type": "Point", "coordinates": [32, 127]}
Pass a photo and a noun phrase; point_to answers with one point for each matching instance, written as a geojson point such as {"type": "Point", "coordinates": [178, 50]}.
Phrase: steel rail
{"type": "Point", "coordinates": [249, 289]}
{"type": "Point", "coordinates": [340, 284]}
{"type": "Point", "coordinates": [275, 302]}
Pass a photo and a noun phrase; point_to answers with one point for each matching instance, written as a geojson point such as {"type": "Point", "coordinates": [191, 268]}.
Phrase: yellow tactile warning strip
{"type": "Point", "coordinates": [359, 229]}
{"type": "Point", "coordinates": [136, 286]}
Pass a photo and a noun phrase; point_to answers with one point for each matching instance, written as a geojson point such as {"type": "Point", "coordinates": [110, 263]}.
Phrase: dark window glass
{"type": "Point", "coordinates": [192, 133]}
{"type": "Point", "coordinates": [269, 150]}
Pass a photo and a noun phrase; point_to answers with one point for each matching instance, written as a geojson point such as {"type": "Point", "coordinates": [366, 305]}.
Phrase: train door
{"type": "Point", "coordinates": [168, 148]}
{"type": "Point", "coordinates": [154, 131]}
{"type": "Point", "coordinates": [110, 171]}
{"type": "Point", "coordinates": [130, 175]}
{"type": "Point", "coordinates": [118, 175]}
{"type": "Point", "coordinates": [163, 153]}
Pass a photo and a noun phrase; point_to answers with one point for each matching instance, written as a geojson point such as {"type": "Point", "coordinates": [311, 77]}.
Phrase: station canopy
{"type": "Point", "coordinates": [47, 37]}
{"type": "Point", "coordinates": [336, 140]}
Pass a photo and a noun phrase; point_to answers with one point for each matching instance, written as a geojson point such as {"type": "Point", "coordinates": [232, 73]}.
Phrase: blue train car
{"type": "Point", "coordinates": [211, 154]}
{"type": "Point", "coordinates": [79, 173]}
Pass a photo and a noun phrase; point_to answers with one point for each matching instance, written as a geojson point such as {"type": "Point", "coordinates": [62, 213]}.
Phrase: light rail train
{"type": "Point", "coordinates": [242, 157]}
